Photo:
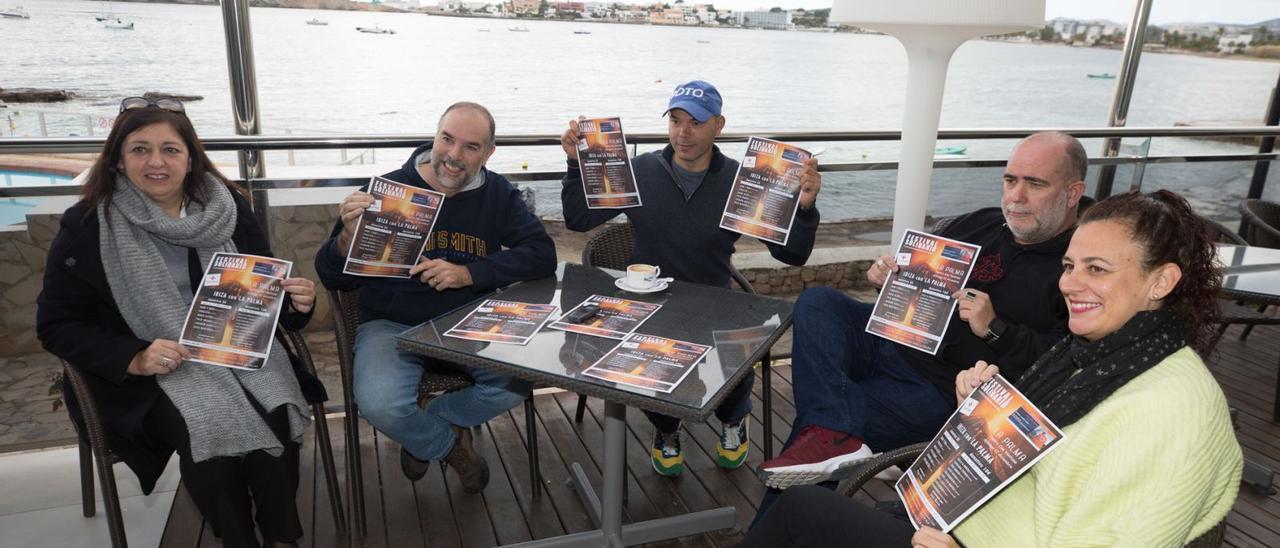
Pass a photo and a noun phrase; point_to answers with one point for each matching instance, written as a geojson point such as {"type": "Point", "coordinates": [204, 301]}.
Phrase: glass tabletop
{"type": "Point", "coordinates": [739, 327]}
{"type": "Point", "coordinates": [1250, 272]}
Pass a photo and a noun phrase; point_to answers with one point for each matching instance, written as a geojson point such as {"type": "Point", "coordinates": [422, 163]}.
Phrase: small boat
{"type": "Point", "coordinates": [1103, 76]}
{"type": "Point", "coordinates": [951, 150]}
{"type": "Point", "coordinates": [518, 29]}
{"type": "Point", "coordinates": [317, 22]}
{"type": "Point", "coordinates": [375, 30]}
{"type": "Point", "coordinates": [117, 23]}
{"type": "Point", "coordinates": [16, 12]}
{"type": "Point", "coordinates": [704, 41]}
{"type": "Point", "coordinates": [482, 30]}
{"type": "Point", "coordinates": [582, 32]}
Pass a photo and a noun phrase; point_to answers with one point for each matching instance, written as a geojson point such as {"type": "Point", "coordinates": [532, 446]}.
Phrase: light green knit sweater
{"type": "Point", "coordinates": [1155, 464]}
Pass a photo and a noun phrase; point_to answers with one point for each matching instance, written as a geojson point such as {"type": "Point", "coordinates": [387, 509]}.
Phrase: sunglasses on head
{"type": "Point", "coordinates": [171, 105]}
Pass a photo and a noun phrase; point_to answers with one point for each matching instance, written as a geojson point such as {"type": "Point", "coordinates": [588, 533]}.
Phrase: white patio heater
{"type": "Point", "coordinates": [930, 31]}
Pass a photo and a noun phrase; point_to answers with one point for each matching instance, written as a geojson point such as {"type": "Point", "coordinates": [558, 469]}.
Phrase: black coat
{"type": "Point", "coordinates": [77, 320]}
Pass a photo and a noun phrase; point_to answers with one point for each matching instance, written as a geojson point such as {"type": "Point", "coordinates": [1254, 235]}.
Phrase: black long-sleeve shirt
{"type": "Point", "coordinates": [1022, 281]}
{"type": "Point", "coordinates": [682, 235]}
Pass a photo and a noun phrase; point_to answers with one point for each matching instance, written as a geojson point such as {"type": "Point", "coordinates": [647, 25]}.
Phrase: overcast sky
{"type": "Point", "coordinates": [1120, 11]}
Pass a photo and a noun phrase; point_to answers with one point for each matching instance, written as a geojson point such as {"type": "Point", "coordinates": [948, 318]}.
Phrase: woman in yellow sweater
{"type": "Point", "coordinates": [1149, 457]}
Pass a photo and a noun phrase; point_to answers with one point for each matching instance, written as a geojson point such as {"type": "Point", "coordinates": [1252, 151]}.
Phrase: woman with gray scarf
{"type": "Point", "coordinates": [118, 282]}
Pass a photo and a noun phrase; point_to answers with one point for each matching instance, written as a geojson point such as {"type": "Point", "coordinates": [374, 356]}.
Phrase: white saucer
{"type": "Point", "coordinates": [623, 285]}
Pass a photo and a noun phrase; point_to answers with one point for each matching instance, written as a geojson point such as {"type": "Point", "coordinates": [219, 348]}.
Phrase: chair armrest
{"type": "Point", "coordinates": [303, 363]}
{"type": "Point", "coordinates": [901, 457]}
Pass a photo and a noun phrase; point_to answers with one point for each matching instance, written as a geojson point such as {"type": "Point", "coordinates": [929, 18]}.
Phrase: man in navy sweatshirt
{"type": "Point", "coordinates": [484, 238]}
{"type": "Point", "coordinates": [684, 188]}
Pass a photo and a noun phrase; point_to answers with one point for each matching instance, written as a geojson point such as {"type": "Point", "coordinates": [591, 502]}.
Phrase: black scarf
{"type": "Point", "coordinates": [1105, 365]}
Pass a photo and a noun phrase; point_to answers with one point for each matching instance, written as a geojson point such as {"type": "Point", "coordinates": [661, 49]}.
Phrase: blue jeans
{"type": "Point", "coordinates": [386, 391]}
{"type": "Point", "coordinates": [851, 381]}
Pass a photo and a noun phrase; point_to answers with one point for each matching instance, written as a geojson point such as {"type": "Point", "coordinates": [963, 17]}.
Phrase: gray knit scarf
{"type": "Point", "coordinates": [214, 401]}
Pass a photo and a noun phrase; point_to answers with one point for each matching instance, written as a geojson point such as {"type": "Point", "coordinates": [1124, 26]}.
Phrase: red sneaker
{"type": "Point", "coordinates": [817, 455]}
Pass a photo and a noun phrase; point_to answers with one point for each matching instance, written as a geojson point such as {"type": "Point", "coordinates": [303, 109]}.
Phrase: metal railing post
{"type": "Point", "coordinates": [1133, 40]}
{"type": "Point", "coordinates": [244, 98]}
{"type": "Point", "coordinates": [1266, 145]}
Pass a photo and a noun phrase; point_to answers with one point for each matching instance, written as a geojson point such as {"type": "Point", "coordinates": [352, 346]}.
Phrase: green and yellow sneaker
{"type": "Point", "coordinates": [668, 457]}
{"type": "Point", "coordinates": [731, 452]}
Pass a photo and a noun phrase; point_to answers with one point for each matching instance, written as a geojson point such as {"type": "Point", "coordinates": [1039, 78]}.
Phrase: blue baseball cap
{"type": "Point", "coordinates": [700, 99]}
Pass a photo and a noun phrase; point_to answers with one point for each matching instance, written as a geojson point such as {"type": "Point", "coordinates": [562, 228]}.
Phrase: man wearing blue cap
{"type": "Point", "coordinates": [684, 188]}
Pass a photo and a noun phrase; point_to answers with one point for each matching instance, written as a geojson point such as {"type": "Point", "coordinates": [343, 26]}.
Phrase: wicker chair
{"type": "Point", "coordinates": [94, 447]}
{"type": "Point", "coordinates": [1261, 225]}
{"type": "Point", "coordinates": [611, 248]}
{"type": "Point", "coordinates": [345, 307]}
{"type": "Point", "coordinates": [904, 456]}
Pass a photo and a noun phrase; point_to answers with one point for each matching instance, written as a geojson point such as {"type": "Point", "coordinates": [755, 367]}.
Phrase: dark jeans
{"type": "Point", "coordinates": [809, 515]}
{"type": "Point", "coordinates": [735, 406]}
{"type": "Point", "coordinates": [227, 490]}
{"type": "Point", "coordinates": [851, 381]}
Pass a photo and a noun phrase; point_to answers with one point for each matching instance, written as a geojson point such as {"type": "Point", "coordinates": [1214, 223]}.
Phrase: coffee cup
{"type": "Point", "coordinates": [642, 276]}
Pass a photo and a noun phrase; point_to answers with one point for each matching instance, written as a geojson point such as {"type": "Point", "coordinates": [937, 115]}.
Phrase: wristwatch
{"type": "Point", "coordinates": [994, 330]}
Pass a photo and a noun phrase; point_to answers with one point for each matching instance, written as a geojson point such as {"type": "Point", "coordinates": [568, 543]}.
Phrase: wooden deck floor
{"type": "Point", "coordinates": [435, 512]}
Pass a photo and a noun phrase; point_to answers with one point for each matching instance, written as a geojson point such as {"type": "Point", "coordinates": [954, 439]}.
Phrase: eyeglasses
{"type": "Point", "coordinates": [171, 105]}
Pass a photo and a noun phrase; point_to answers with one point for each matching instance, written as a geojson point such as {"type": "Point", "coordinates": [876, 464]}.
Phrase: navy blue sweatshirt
{"type": "Point", "coordinates": [682, 236]}
{"type": "Point", "coordinates": [1022, 281]}
{"type": "Point", "coordinates": [489, 229]}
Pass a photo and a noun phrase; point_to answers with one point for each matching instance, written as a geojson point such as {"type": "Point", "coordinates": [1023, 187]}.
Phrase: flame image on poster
{"type": "Point", "coordinates": [648, 362]}
{"type": "Point", "coordinates": [615, 319]}
{"type": "Point", "coordinates": [915, 305]}
{"type": "Point", "coordinates": [391, 234]}
{"type": "Point", "coordinates": [993, 437]}
{"type": "Point", "coordinates": [503, 322]}
{"type": "Point", "coordinates": [232, 319]}
{"type": "Point", "coordinates": [607, 178]}
{"type": "Point", "coordinates": [766, 191]}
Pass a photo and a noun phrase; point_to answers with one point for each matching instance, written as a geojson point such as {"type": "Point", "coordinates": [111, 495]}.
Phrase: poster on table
{"type": "Point", "coordinates": [615, 319]}
{"type": "Point", "coordinates": [232, 319]}
{"type": "Point", "coordinates": [391, 234]}
{"type": "Point", "coordinates": [995, 436]}
{"type": "Point", "coordinates": [649, 362]}
{"type": "Point", "coordinates": [915, 305]}
{"type": "Point", "coordinates": [766, 192]}
{"type": "Point", "coordinates": [499, 321]}
{"type": "Point", "coordinates": [607, 178]}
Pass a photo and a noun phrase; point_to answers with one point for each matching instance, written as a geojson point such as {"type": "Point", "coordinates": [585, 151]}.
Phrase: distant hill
{"type": "Point", "coordinates": [1273, 25]}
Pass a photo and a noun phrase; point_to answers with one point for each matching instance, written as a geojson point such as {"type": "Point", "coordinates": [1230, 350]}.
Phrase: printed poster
{"type": "Point", "coordinates": [607, 178]}
{"type": "Point", "coordinates": [766, 192]}
{"type": "Point", "coordinates": [232, 319]}
{"type": "Point", "coordinates": [392, 233]}
{"type": "Point", "coordinates": [498, 321]}
{"type": "Point", "coordinates": [649, 362]}
{"type": "Point", "coordinates": [993, 437]}
{"type": "Point", "coordinates": [915, 305]}
{"type": "Point", "coordinates": [616, 318]}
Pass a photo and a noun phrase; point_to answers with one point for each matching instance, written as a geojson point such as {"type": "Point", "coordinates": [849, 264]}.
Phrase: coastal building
{"type": "Point", "coordinates": [772, 20]}
{"type": "Point", "coordinates": [523, 7]}
{"type": "Point", "coordinates": [667, 16]}
{"type": "Point", "coordinates": [1231, 42]}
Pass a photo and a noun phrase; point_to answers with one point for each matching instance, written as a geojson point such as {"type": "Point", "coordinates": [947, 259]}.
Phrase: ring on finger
{"type": "Point", "coordinates": [166, 363]}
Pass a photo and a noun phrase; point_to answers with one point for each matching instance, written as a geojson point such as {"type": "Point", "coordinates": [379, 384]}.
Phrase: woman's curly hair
{"type": "Point", "coordinates": [1169, 231]}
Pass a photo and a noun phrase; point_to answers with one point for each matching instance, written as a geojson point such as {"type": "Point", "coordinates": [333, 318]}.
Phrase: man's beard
{"type": "Point", "coordinates": [1046, 225]}
{"type": "Point", "coordinates": [451, 184]}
